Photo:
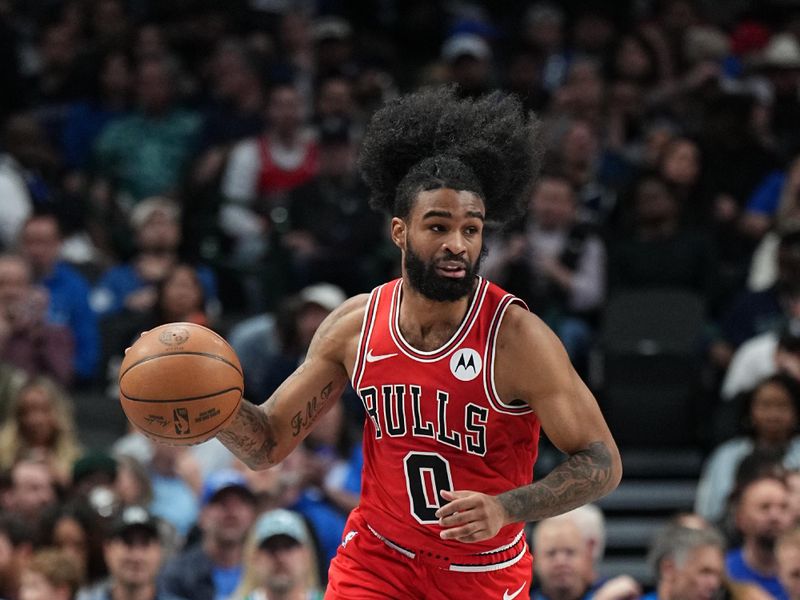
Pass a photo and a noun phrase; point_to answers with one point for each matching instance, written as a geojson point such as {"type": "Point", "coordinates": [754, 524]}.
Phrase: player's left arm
{"type": "Point", "coordinates": [531, 365]}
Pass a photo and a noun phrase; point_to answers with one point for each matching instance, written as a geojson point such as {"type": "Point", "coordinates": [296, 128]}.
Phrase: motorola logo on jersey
{"type": "Point", "coordinates": [466, 364]}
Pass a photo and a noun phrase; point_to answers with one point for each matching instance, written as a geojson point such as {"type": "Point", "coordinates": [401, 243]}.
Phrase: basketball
{"type": "Point", "coordinates": [180, 383]}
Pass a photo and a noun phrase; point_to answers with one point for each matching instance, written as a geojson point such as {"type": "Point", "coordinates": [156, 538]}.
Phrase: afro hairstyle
{"type": "Point", "coordinates": [433, 139]}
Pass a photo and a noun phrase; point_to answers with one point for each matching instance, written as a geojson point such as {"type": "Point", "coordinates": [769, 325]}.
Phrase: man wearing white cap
{"type": "Point", "coordinates": [280, 560]}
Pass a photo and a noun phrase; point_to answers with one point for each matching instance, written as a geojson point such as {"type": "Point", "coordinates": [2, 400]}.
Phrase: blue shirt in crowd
{"type": "Point", "coordinates": [69, 305]}
{"type": "Point", "coordinates": [739, 570]}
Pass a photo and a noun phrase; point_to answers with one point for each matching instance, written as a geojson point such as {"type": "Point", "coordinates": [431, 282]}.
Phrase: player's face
{"type": "Point", "coordinates": [442, 243]}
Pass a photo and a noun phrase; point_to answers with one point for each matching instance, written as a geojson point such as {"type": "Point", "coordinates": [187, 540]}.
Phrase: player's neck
{"type": "Point", "coordinates": [427, 324]}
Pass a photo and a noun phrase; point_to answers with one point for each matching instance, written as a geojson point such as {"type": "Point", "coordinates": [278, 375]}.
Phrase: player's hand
{"type": "Point", "coordinates": [470, 516]}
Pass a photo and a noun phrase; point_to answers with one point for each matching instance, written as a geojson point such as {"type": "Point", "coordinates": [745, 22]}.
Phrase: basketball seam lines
{"type": "Point", "coordinates": [183, 399]}
{"type": "Point", "coordinates": [206, 354]}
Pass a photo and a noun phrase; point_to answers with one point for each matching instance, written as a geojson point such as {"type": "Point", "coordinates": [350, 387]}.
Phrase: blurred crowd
{"type": "Point", "coordinates": [196, 161]}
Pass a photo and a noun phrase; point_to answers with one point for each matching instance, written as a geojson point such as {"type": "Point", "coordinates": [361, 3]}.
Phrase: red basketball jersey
{"type": "Point", "coordinates": [435, 421]}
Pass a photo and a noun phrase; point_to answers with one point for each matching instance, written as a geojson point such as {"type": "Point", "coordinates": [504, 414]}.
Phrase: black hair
{"type": "Point", "coordinates": [433, 139]}
{"type": "Point", "coordinates": [787, 382]}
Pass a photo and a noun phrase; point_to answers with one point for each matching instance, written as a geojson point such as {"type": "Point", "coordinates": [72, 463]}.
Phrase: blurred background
{"type": "Point", "coordinates": [196, 160]}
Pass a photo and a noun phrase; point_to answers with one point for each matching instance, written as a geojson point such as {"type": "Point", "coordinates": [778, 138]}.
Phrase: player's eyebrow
{"type": "Point", "coordinates": [446, 214]}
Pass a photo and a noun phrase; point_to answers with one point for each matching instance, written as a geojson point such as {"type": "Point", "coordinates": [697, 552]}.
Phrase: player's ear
{"type": "Point", "coordinates": [399, 232]}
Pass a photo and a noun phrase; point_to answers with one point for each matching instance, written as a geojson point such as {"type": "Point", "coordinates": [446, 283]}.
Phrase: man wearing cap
{"type": "Point", "coordinates": [212, 569]}
{"type": "Point", "coordinates": [281, 561]}
{"type": "Point", "coordinates": [270, 349]}
{"type": "Point", "coordinates": [133, 551]}
{"type": "Point", "coordinates": [468, 57]}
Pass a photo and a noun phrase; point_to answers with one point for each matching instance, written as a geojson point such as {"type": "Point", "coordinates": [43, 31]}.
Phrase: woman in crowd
{"type": "Point", "coordinates": [40, 425]}
{"type": "Point", "coordinates": [770, 421]}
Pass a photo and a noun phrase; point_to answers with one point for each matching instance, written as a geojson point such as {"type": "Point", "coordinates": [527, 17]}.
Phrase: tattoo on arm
{"type": "Point", "coordinates": [305, 419]}
{"type": "Point", "coordinates": [251, 437]}
{"type": "Point", "coordinates": [583, 477]}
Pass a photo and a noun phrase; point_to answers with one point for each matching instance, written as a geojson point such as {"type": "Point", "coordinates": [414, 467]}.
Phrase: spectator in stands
{"type": "Point", "coordinates": [581, 96]}
{"type": "Point", "coordinates": [133, 552]}
{"type": "Point", "coordinates": [753, 312]}
{"type": "Point", "coordinates": [94, 472]}
{"type": "Point", "coordinates": [770, 416]}
{"type": "Point", "coordinates": [761, 512]}
{"type": "Point", "coordinates": [564, 567]}
{"type": "Point", "coordinates": [787, 552]}
{"type": "Point", "coordinates": [147, 154]}
{"type": "Point", "coordinates": [329, 468]}
{"type": "Point", "coordinates": [76, 529]}
{"type": "Point", "coordinates": [12, 379]}
{"type": "Point", "coordinates": [578, 154]}
{"type": "Point", "coordinates": [333, 235]}
{"type": "Point", "coordinates": [179, 297]}
{"type": "Point", "coordinates": [556, 264]}
{"type": "Point", "coordinates": [41, 243]}
{"type": "Point", "coordinates": [335, 101]}
{"type": "Point", "coordinates": [33, 490]}
{"type": "Point", "coordinates": [132, 485]}
{"type": "Point", "coordinates": [51, 574]}
{"type": "Point", "coordinates": [132, 286]}
{"type": "Point", "coordinates": [334, 47]}
{"type": "Point", "coordinates": [16, 547]}
{"type": "Point", "coordinates": [213, 568]}
{"type": "Point", "coordinates": [58, 80]}
{"type": "Point", "coordinates": [259, 174]}
{"type": "Point", "coordinates": [468, 58]}
{"type": "Point", "coordinates": [270, 348]}
{"type": "Point", "coordinates": [688, 563]}
{"type": "Point", "coordinates": [280, 562]}
{"type": "Point", "coordinates": [591, 522]}
{"type": "Point", "coordinates": [261, 171]}
{"type": "Point", "coordinates": [16, 202]}
{"type": "Point", "coordinates": [659, 251]}
{"type": "Point", "coordinates": [779, 63]}
{"type": "Point", "coordinates": [238, 98]}
{"type": "Point", "coordinates": [773, 201]}
{"type": "Point", "coordinates": [761, 356]}
{"type": "Point", "coordinates": [108, 99]}
{"type": "Point", "coordinates": [40, 424]}
{"type": "Point", "coordinates": [176, 479]}
{"type": "Point", "coordinates": [680, 168]}
{"type": "Point", "coordinates": [543, 28]}
{"type": "Point", "coordinates": [27, 340]}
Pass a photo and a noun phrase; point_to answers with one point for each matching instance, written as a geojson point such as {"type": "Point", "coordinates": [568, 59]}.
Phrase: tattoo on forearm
{"type": "Point", "coordinates": [251, 437]}
{"type": "Point", "coordinates": [583, 477]}
{"type": "Point", "coordinates": [305, 419]}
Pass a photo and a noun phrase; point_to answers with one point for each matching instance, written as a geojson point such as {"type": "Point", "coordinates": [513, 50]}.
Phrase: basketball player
{"type": "Point", "coordinates": [456, 376]}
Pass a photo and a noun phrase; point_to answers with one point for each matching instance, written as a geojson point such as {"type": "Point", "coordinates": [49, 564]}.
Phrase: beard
{"type": "Point", "coordinates": [766, 541]}
{"type": "Point", "coordinates": [424, 278]}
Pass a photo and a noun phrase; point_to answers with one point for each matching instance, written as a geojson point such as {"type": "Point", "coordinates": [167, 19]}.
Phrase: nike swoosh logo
{"type": "Point", "coordinates": [371, 358]}
{"type": "Point", "coordinates": [507, 596]}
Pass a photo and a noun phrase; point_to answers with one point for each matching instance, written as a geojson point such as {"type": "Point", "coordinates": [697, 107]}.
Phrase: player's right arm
{"type": "Point", "coordinates": [262, 436]}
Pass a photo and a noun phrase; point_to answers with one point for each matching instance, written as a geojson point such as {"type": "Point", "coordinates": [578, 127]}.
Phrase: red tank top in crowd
{"type": "Point", "coordinates": [435, 421]}
{"type": "Point", "coordinates": [273, 179]}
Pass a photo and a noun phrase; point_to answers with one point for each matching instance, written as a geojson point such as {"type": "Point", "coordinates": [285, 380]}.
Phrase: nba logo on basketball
{"type": "Point", "coordinates": [181, 418]}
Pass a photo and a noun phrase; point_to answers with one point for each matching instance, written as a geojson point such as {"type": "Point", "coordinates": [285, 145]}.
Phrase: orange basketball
{"type": "Point", "coordinates": [180, 383]}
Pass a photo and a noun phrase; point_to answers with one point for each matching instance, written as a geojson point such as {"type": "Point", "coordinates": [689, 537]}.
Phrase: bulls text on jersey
{"type": "Point", "coordinates": [389, 411]}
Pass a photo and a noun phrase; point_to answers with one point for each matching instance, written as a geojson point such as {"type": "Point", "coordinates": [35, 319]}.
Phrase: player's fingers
{"type": "Point", "coordinates": [466, 533]}
{"type": "Point", "coordinates": [458, 518]}
{"type": "Point", "coordinates": [458, 505]}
